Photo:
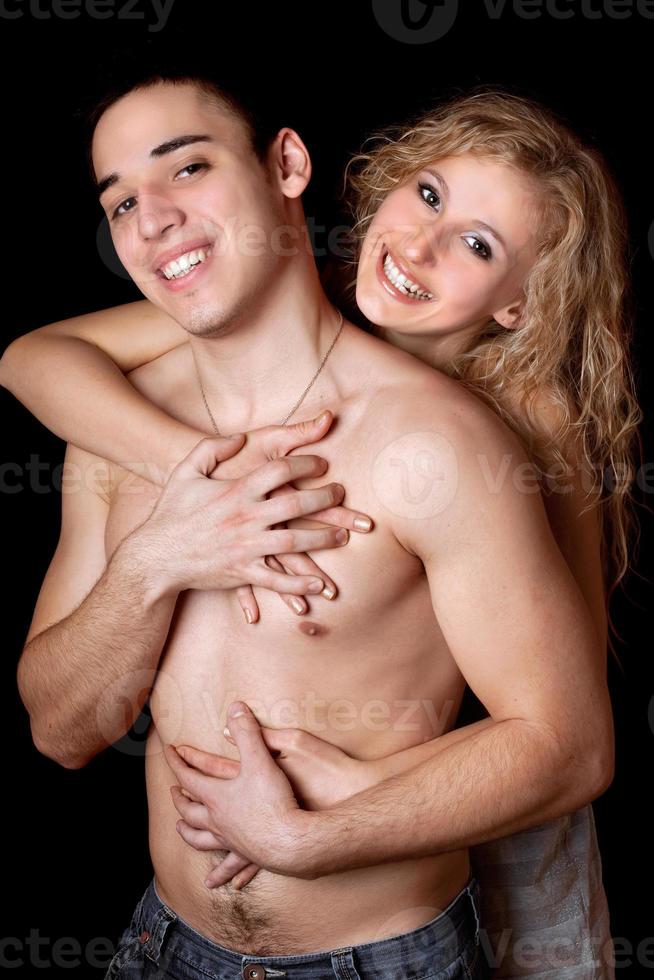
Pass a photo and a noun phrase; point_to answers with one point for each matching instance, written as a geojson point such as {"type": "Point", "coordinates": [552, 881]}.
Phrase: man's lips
{"type": "Point", "coordinates": [190, 279]}
{"type": "Point", "coordinates": [174, 253]}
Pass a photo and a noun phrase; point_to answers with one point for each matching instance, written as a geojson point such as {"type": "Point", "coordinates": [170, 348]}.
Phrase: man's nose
{"type": "Point", "coordinates": [156, 215]}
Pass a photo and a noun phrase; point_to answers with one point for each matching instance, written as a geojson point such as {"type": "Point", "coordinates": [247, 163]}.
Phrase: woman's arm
{"type": "Point", "coordinates": [86, 358]}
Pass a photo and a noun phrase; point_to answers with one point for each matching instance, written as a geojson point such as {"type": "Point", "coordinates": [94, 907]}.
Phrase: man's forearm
{"type": "Point", "coordinates": [505, 778]}
{"type": "Point", "coordinates": [85, 679]}
{"type": "Point", "coordinates": [390, 765]}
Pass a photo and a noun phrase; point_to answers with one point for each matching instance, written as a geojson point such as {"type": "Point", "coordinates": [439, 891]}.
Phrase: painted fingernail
{"type": "Point", "coordinates": [248, 616]}
{"type": "Point", "coordinates": [342, 536]}
{"type": "Point", "coordinates": [362, 523]}
{"type": "Point", "coordinates": [297, 605]}
{"type": "Point", "coordinates": [328, 592]}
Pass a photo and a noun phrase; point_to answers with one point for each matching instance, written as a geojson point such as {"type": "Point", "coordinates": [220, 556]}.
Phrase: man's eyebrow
{"type": "Point", "coordinates": [480, 224]}
{"type": "Point", "coordinates": [176, 143]}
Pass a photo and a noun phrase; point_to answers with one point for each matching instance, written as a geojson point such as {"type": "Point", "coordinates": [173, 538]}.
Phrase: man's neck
{"type": "Point", "coordinates": [257, 370]}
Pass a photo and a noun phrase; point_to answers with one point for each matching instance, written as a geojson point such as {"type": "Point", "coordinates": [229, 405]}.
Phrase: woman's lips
{"type": "Point", "coordinates": [392, 290]}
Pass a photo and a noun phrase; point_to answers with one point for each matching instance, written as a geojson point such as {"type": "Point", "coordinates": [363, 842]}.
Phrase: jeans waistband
{"type": "Point", "coordinates": [420, 952]}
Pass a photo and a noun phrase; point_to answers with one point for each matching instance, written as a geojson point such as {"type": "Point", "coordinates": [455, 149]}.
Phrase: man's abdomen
{"type": "Point", "coordinates": [274, 914]}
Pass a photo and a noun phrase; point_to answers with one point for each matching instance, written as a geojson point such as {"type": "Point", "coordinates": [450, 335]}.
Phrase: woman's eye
{"type": "Point", "coordinates": [429, 195]}
{"type": "Point", "coordinates": [478, 247]}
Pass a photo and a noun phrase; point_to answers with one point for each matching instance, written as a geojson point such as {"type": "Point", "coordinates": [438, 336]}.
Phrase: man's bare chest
{"type": "Point", "coordinates": [375, 576]}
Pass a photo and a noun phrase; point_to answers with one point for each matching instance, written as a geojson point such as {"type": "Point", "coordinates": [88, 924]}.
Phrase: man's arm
{"type": "Point", "coordinates": [85, 678]}
{"type": "Point", "coordinates": [517, 626]}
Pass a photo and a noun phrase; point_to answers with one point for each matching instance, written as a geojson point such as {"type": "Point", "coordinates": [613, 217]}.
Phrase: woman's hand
{"type": "Point", "coordinates": [272, 442]}
{"type": "Point", "coordinates": [320, 773]}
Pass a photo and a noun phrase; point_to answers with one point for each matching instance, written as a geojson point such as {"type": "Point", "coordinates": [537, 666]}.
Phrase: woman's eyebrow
{"type": "Point", "coordinates": [491, 231]}
{"type": "Point", "coordinates": [439, 179]}
{"type": "Point", "coordinates": [481, 224]}
{"type": "Point", "coordinates": [176, 143]}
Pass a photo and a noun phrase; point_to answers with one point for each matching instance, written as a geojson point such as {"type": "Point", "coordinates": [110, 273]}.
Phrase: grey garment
{"type": "Point", "coordinates": [544, 913]}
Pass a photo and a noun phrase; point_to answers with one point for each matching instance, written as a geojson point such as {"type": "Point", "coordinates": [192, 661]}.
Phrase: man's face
{"type": "Point", "coordinates": [210, 200]}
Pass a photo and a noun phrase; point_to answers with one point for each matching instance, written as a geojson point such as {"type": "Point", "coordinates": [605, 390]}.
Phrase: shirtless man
{"type": "Point", "coordinates": [461, 583]}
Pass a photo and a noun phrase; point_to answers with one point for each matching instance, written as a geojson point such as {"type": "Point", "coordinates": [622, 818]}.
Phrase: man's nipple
{"type": "Point", "coordinates": [311, 629]}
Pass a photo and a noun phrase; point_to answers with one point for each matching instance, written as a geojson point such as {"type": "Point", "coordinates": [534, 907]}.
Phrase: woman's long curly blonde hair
{"type": "Point", "coordinates": [575, 336]}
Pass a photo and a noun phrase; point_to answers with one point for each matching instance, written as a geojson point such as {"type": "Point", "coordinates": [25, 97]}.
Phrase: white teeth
{"type": "Point", "coordinates": [182, 265]}
{"type": "Point", "coordinates": [400, 281]}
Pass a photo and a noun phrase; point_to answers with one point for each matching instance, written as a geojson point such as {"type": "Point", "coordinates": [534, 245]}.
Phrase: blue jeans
{"type": "Point", "coordinates": [158, 943]}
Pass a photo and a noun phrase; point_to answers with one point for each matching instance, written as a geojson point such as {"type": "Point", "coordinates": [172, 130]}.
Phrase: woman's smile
{"type": "Point", "coordinates": [399, 285]}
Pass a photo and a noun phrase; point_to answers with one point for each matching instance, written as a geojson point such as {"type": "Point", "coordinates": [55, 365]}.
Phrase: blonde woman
{"type": "Point", "coordinates": [554, 365]}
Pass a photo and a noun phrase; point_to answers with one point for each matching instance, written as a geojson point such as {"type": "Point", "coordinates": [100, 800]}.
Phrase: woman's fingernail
{"type": "Point", "coordinates": [342, 535]}
{"type": "Point", "coordinates": [322, 416]}
{"type": "Point", "coordinates": [297, 605]}
{"type": "Point", "coordinates": [228, 734]}
{"type": "Point", "coordinates": [362, 523]}
{"type": "Point", "coordinates": [328, 592]}
{"type": "Point", "coordinates": [316, 585]}
{"type": "Point", "coordinates": [248, 615]}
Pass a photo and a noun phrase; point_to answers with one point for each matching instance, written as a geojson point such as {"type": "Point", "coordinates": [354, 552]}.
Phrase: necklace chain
{"type": "Point", "coordinates": [299, 401]}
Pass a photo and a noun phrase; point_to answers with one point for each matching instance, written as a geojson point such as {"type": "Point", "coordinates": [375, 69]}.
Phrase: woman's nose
{"type": "Point", "coordinates": [419, 246]}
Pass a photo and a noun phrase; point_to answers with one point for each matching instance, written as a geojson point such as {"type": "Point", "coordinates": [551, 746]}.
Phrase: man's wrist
{"type": "Point", "coordinates": [139, 564]}
{"type": "Point", "coordinates": [298, 851]}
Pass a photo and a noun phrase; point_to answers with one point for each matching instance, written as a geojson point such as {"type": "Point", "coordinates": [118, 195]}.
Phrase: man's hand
{"type": "Point", "coordinates": [254, 813]}
{"type": "Point", "coordinates": [274, 442]}
{"type": "Point", "coordinates": [214, 534]}
{"type": "Point", "coordinates": [321, 774]}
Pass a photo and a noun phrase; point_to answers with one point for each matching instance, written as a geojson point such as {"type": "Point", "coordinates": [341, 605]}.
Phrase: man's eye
{"type": "Point", "coordinates": [188, 167]}
{"type": "Point", "coordinates": [429, 196]}
{"type": "Point", "coordinates": [478, 247]}
{"type": "Point", "coordinates": [117, 213]}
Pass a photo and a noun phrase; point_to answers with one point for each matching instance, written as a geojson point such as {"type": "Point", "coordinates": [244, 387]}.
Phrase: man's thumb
{"type": "Point", "coordinates": [246, 730]}
{"type": "Point", "coordinates": [205, 456]}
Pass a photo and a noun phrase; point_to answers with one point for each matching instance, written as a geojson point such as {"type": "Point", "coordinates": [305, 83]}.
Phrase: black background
{"type": "Point", "coordinates": [76, 841]}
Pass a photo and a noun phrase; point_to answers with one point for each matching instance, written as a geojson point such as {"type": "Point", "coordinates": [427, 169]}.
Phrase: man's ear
{"type": "Point", "coordinates": [290, 162]}
{"type": "Point", "coordinates": [510, 316]}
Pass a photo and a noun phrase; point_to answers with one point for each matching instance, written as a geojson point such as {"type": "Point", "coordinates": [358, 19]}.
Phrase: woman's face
{"type": "Point", "coordinates": [448, 250]}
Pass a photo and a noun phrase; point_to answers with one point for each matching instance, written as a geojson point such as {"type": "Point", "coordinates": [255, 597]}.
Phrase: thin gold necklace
{"type": "Point", "coordinates": [301, 398]}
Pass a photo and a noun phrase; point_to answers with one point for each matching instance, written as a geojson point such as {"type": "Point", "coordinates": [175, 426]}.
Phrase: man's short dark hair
{"type": "Point", "coordinates": [151, 63]}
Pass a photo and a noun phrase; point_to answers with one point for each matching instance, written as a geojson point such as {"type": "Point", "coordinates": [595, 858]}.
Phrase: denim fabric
{"type": "Point", "coordinates": [158, 943]}
{"type": "Point", "coordinates": [544, 913]}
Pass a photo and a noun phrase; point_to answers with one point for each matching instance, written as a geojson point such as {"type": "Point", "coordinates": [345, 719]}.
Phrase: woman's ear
{"type": "Point", "coordinates": [290, 162]}
{"type": "Point", "coordinates": [510, 317]}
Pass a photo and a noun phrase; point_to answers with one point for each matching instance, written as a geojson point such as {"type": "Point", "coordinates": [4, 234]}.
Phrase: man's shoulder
{"type": "Point", "coordinates": [406, 395]}
{"type": "Point", "coordinates": [86, 471]}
